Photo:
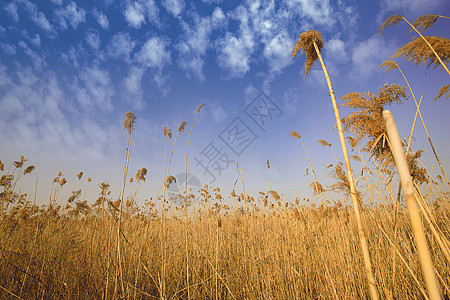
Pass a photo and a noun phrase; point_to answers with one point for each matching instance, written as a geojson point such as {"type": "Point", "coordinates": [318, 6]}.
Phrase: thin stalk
{"type": "Point", "coordinates": [414, 215]}
{"type": "Point", "coordinates": [186, 204]}
{"type": "Point", "coordinates": [362, 236]}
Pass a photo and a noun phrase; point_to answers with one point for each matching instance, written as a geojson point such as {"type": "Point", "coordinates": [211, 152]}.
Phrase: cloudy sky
{"type": "Point", "coordinates": [70, 70]}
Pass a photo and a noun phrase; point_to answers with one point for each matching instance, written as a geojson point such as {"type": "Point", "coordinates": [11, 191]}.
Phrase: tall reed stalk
{"type": "Point", "coordinates": [311, 43]}
{"type": "Point", "coordinates": [127, 125]}
{"type": "Point", "coordinates": [414, 215]}
{"type": "Point", "coordinates": [186, 203]}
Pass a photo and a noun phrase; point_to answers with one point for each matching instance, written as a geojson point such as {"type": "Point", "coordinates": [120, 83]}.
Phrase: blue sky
{"type": "Point", "coordinates": [69, 70]}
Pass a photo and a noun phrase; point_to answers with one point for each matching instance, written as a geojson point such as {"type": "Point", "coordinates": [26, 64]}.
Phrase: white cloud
{"type": "Point", "coordinates": [414, 7]}
{"type": "Point", "coordinates": [154, 53]}
{"type": "Point", "coordinates": [38, 60]}
{"type": "Point", "coordinates": [291, 99]}
{"type": "Point", "coordinates": [121, 46]}
{"type": "Point", "coordinates": [235, 51]}
{"type": "Point", "coordinates": [134, 14]}
{"type": "Point", "coordinates": [136, 11]}
{"type": "Point", "coordinates": [11, 9]}
{"type": "Point", "coordinates": [368, 55]}
{"type": "Point", "coordinates": [70, 14]}
{"type": "Point", "coordinates": [71, 57]}
{"type": "Point", "coordinates": [39, 18]}
{"type": "Point", "coordinates": [93, 89]}
{"type": "Point", "coordinates": [318, 11]}
{"type": "Point", "coordinates": [196, 41]}
{"type": "Point", "coordinates": [278, 52]}
{"type": "Point", "coordinates": [8, 48]}
{"type": "Point", "coordinates": [174, 7]}
{"type": "Point", "coordinates": [133, 87]}
{"type": "Point", "coordinates": [216, 112]}
{"type": "Point", "coordinates": [4, 78]}
{"type": "Point", "coordinates": [250, 93]}
{"type": "Point", "coordinates": [336, 48]}
{"type": "Point", "coordinates": [36, 40]}
{"type": "Point", "coordinates": [234, 54]}
{"type": "Point", "coordinates": [93, 39]}
{"type": "Point", "coordinates": [102, 19]}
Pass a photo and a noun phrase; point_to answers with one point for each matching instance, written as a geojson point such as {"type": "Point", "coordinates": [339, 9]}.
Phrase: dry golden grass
{"type": "Point", "coordinates": [295, 253]}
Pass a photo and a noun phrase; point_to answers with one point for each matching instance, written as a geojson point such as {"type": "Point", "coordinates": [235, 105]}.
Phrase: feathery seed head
{"type": "Point", "coordinates": [28, 170]}
{"type": "Point", "coordinates": [199, 107]}
{"type": "Point", "coordinates": [442, 91]}
{"type": "Point", "coordinates": [80, 175]}
{"type": "Point", "coordinates": [268, 164]}
{"type": "Point", "coordinates": [424, 22]}
{"type": "Point", "coordinates": [167, 132]}
{"type": "Point", "coordinates": [170, 179]}
{"type": "Point", "coordinates": [392, 20]}
{"type": "Point", "coordinates": [1, 166]}
{"type": "Point", "coordinates": [295, 135]}
{"type": "Point", "coordinates": [130, 118]}
{"type": "Point", "coordinates": [417, 51]}
{"type": "Point", "coordinates": [181, 126]}
{"type": "Point", "coordinates": [389, 65]}
{"type": "Point", "coordinates": [140, 174]}
{"type": "Point", "coordinates": [306, 42]}
{"type": "Point", "coordinates": [324, 143]}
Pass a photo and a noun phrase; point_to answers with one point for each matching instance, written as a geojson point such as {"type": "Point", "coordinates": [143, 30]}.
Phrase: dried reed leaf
{"type": "Point", "coordinates": [306, 42]}
{"type": "Point", "coordinates": [417, 51]}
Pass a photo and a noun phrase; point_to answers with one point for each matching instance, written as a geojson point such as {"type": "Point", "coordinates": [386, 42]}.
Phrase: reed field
{"type": "Point", "coordinates": [385, 239]}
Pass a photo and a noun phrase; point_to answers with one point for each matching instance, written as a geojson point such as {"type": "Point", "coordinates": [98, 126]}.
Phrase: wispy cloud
{"type": "Point", "coordinates": [11, 9]}
{"type": "Point", "coordinates": [234, 51]}
{"type": "Point", "coordinates": [121, 45]}
{"type": "Point", "coordinates": [196, 41]}
{"type": "Point", "coordinates": [136, 12]}
{"type": "Point", "coordinates": [101, 18]}
{"type": "Point", "coordinates": [8, 48]}
{"type": "Point", "coordinates": [174, 7]}
{"type": "Point", "coordinates": [93, 89]}
{"type": "Point", "coordinates": [38, 18]}
{"type": "Point", "coordinates": [93, 39]}
{"type": "Point", "coordinates": [70, 14]}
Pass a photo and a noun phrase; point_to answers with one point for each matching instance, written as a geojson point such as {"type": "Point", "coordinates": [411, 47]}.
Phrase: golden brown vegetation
{"type": "Point", "coordinates": [295, 253]}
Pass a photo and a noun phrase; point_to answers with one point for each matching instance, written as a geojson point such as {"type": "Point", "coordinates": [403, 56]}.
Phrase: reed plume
{"type": "Point", "coordinates": [417, 50]}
